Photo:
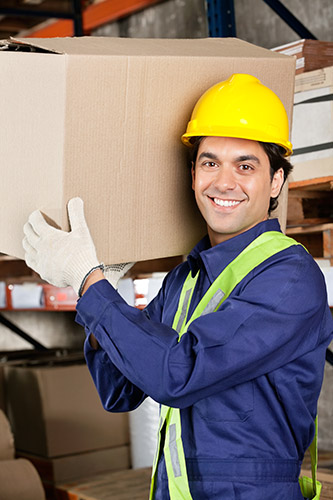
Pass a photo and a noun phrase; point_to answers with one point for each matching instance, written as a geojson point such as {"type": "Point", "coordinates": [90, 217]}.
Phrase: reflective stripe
{"type": "Point", "coordinates": [216, 299]}
{"type": "Point", "coordinates": [183, 313]}
{"type": "Point", "coordinates": [174, 451]}
{"type": "Point", "coordinates": [263, 247]}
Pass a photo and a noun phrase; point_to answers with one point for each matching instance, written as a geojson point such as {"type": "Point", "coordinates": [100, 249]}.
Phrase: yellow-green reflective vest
{"type": "Point", "coordinates": [259, 250]}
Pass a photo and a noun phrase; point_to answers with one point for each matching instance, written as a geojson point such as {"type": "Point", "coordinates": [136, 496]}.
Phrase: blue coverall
{"type": "Point", "coordinates": [246, 378]}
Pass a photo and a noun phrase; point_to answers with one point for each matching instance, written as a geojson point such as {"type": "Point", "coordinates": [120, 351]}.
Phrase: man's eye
{"type": "Point", "coordinates": [245, 167]}
{"type": "Point", "coordinates": [209, 164]}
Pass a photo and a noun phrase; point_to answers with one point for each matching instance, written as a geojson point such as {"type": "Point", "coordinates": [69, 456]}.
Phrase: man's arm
{"type": "Point", "coordinates": [276, 315]}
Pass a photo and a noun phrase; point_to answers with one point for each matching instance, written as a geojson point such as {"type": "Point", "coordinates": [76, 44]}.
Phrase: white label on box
{"type": "Point", "coordinates": [312, 125]}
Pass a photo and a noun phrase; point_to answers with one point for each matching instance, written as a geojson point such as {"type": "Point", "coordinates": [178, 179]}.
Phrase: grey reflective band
{"type": "Point", "coordinates": [214, 302]}
{"type": "Point", "coordinates": [174, 451]}
{"type": "Point", "coordinates": [184, 309]}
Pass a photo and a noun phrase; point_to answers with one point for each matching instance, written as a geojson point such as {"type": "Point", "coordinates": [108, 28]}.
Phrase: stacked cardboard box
{"type": "Point", "coordinates": [310, 218]}
{"type": "Point", "coordinates": [59, 423]}
{"type": "Point", "coordinates": [312, 133]}
{"type": "Point", "coordinates": [310, 54]}
{"type": "Point", "coordinates": [18, 477]}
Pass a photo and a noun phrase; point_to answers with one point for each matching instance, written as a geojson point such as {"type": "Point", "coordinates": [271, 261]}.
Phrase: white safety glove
{"type": "Point", "coordinates": [59, 257]}
{"type": "Point", "coordinates": [114, 272]}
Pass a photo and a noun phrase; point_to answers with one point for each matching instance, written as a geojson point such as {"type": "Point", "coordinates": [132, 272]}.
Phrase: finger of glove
{"type": "Point", "coordinates": [38, 222]}
{"type": "Point", "coordinates": [30, 258]}
{"type": "Point", "coordinates": [30, 236]}
{"type": "Point", "coordinates": [76, 213]}
{"type": "Point", "coordinates": [28, 247]}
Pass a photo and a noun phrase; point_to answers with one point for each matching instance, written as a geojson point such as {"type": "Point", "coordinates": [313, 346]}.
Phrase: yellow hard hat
{"type": "Point", "coordinates": [240, 107]}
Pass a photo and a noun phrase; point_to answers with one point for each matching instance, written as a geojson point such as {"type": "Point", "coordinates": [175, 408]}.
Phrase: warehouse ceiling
{"type": "Point", "coordinates": [44, 18]}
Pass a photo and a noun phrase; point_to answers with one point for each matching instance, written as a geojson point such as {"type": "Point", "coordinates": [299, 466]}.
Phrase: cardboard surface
{"type": "Point", "coordinates": [19, 480]}
{"type": "Point", "coordinates": [80, 465]}
{"type": "Point", "coordinates": [102, 118]}
{"type": "Point", "coordinates": [312, 169]}
{"type": "Point", "coordinates": [310, 54]}
{"type": "Point", "coordinates": [56, 411]}
{"type": "Point", "coordinates": [2, 390]}
{"type": "Point", "coordinates": [7, 450]}
{"type": "Point", "coordinates": [312, 134]}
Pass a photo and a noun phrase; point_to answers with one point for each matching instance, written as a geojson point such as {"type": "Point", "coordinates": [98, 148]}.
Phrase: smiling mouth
{"type": "Point", "coordinates": [225, 203]}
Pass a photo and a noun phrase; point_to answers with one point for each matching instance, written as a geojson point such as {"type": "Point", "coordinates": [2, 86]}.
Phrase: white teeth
{"type": "Point", "coordinates": [226, 203]}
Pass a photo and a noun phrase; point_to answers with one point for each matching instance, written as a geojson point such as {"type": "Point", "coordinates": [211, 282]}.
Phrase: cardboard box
{"type": "Point", "coordinates": [2, 390]}
{"type": "Point", "coordinates": [79, 466]}
{"type": "Point", "coordinates": [102, 118]}
{"type": "Point", "coordinates": [312, 133]}
{"type": "Point", "coordinates": [55, 411]}
{"type": "Point", "coordinates": [19, 480]}
{"type": "Point", "coordinates": [7, 450]}
{"type": "Point", "coordinates": [310, 54]}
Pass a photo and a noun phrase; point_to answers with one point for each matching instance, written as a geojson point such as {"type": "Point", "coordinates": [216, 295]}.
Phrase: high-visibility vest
{"type": "Point", "coordinates": [259, 250]}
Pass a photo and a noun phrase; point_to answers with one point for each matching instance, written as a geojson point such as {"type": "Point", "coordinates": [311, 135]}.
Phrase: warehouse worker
{"type": "Point", "coordinates": [233, 346]}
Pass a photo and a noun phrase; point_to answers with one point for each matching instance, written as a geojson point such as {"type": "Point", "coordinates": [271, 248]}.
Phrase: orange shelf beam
{"type": "Point", "coordinates": [93, 16]}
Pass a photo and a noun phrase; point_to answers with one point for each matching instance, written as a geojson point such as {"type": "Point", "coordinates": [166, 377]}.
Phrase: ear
{"type": "Point", "coordinates": [277, 183]}
{"type": "Point", "coordinates": [193, 175]}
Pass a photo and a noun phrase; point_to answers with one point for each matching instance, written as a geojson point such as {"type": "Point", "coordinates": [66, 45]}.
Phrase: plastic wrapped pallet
{"type": "Point", "coordinates": [143, 423]}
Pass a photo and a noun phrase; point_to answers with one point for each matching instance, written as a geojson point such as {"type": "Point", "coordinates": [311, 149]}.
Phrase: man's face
{"type": "Point", "coordinates": [232, 184]}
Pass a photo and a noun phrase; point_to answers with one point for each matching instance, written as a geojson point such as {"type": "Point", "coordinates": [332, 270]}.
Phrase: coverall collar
{"type": "Point", "coordinates": [216, 258]}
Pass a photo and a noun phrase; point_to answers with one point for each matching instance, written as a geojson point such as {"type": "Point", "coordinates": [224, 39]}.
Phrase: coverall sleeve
{"type": "Point", "coordinates": [116, 392]}
{"type": "Point", "coordinates": [272, 317]}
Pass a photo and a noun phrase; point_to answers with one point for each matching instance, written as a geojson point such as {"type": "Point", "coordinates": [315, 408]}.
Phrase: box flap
{"type": "Point", "coordinates": [209, 47]}
{"type": "Point", "coordinates": [12, 45]}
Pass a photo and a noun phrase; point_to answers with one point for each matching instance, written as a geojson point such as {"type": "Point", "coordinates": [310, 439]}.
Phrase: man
{"type": "Point", "coordinates": [233, 346]}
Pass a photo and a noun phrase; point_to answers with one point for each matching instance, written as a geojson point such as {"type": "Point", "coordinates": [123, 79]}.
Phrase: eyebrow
{"type": "Point", "coordinates": [209, 155]}
{"type": "Point", "coordinates": [212, 156]}
{"type": "Point", "coordinates": [248, 157]}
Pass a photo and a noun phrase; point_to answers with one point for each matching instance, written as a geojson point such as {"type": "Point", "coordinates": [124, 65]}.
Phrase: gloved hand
{"type": "Point", "coordinates": [114, 272]}
{"type": "Point", "coordinates": [59, 257]}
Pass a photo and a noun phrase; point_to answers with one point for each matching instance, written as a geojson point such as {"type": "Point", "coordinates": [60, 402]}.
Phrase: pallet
{"type": "Point", "coordinates": [310, 215]}
{"type": "Point", "coordinates": [317, 239]}
{"type": "Point", "coordinates": [123, 485]}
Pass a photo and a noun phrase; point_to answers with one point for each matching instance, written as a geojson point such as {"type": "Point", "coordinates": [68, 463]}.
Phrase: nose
{"type": "Point", "coordinates": [225, 179]}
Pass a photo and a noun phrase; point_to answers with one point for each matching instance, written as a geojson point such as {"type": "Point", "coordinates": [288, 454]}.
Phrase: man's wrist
{"type": "Point", "coordinates": [93, 277]}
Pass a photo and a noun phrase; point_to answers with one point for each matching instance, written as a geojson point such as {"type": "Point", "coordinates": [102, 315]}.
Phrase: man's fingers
{"type": "Point", "coordinates": [28, 246]}
{"type": "Point", "coordinates": [31, 237]}
{"type": "Point", "coordinates": [30, 256]}
{"type": "Point", "coordinates": [38, 223]}
{"type": "Point", "coordinates": [76, 213]}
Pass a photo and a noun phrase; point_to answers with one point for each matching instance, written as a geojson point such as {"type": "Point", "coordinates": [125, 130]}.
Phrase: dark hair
{"type": "Point", "coordinates": [276, 158]}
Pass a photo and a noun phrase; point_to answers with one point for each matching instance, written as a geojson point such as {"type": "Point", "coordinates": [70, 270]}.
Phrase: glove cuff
{"type": "Point", "coordinates": [100, 266]}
